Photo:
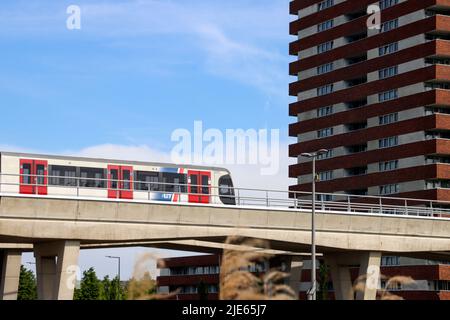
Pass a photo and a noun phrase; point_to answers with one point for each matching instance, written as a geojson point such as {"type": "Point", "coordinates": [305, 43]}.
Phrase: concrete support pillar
{"type": "Point", "coordinates": [369, 275]}
{"type": "Point", "coordinates": [295, 270]}
{"type": "Point", "coordinates": [56, 266]}
{"type": "Point", "coordinates": [340, 274]}
{"type": "Point", "coordinates": [10, 274]}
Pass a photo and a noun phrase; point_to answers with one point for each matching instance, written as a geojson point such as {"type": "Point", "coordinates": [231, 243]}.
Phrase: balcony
{"type": "Point", "coordinates": [357, 171]}
{"type": "Point", "coordinates": [356, 148]}
{"type": "Point", "coordinates": [356, 126]}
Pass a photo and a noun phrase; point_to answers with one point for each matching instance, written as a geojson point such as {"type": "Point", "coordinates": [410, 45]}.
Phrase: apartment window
{"type": "Point", "coordinates": [432, 160]}
{"type": "Point", "coordinates": [389, 118]}
{"type": "Point", "coordinates": [327, 155]}
{"type": "Point", "coordinates": [324, 111]}
{"type": "Point", "coordinates": [387, 3]}
{"type": "Point", "coordinates": [389, 189]}
{"type": "Point", "coordinates": [325, 5]}
{"type": "Point", "coordinates": [325, 25]}
{"type": "Point", "coordinates": [324, 197]}
{"type": "Point", "coordinates": [215, 270]}
{"type": "Point", "coordinates": [388, 142]}
{"type": "Point", "coordinates": [213, 288]}
{"type": "Point", "coordinates": [438, 184]}
{"type": "Point", "coordinates": [321, 91]}
{"type": "Point", "coordinates": [325, 68]}
{"type": "Point", "coordinates": [325, 133]}
{"type": "Point", "coordinates": [387, 49]}
{"type": "Point", "coordinates": [389, 25]}
{"type": "Point", "coordinates": [388, 165]}
{"type": "Point", "coordinates": [388, 95]}
{"type": "Point", "coordinates": [438, 85]}
{"type": "Point", "coordinates": [324, 47]}
{"type": "Point", "coordinates": [326, 176]}
{"type": "Point", "coordinates": [441, 285]}
{"type": "Point", "coordinates": [388, 72]}
{"type": "Point", "coordinates": [445, 61]}
{"type": "Point", "coordinates": [390, 261]}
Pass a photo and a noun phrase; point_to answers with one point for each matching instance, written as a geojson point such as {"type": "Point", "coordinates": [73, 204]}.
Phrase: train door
{"type": "Point", "coordinates": [120, 182]}
{"type": "Point", "coordinates": [33, 176]}
{"type": "Point", "coordinates": [199, 186]}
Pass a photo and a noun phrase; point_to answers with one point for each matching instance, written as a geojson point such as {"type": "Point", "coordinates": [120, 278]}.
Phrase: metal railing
{"type": "Point", "coordinates": [145, 190]}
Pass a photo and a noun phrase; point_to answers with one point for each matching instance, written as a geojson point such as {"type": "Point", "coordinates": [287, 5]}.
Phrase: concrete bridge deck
{"type": "Point", "coordinates": [57, 227]}
{"type": "Point", "coordinates": [36, 219]}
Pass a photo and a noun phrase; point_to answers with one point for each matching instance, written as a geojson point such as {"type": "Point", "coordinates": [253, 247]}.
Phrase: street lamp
{"type": "Point", "coordinates": [312, 292]}
{"type": "Point", "coordinates": [118, 258]}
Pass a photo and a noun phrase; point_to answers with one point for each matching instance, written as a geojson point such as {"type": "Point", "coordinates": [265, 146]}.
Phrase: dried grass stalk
{"type": "Point", "coordinates": [391, 284]}
{"type": "Point", "coordinates": [237, 283]}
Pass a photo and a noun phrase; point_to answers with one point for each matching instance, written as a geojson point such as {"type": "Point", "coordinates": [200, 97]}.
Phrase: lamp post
{"type": "Point", "coordinates": [118, 288]}
{"type": "Point", "coordinates": [118, 258]}
{"type": "Point", "coordinates": [312, 294]}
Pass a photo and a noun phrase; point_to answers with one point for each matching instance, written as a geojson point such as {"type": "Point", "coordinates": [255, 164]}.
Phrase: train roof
{"type": "Point", "coordinates": [113, 161]}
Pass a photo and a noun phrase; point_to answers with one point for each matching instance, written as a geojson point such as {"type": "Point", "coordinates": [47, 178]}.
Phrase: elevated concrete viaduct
{"type": "Point", "coordinates": [57, 228]}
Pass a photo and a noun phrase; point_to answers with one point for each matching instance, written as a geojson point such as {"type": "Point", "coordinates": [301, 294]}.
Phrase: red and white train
{"type": "Point", "coordinates": [35, 174]}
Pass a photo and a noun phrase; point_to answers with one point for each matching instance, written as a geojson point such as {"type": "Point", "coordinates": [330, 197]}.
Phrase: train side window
{"type": "Point", "coordinates": [63, 176]}
{"type": "Point", "coordinates": [174, 182]}
{"type": "Point", "coordinates": [205, 184]}
{"type": "Point", "coordinates": [92, 177]}
{"type": "Point", "coordinates": [147, 181]}
{"type": "Point", "coordinates": [114, 178]}
{"type": "Point", "coordinates": [194, 184]}
{"type": "Point", "coordinates": [40, 174]}
{"type": "Point", "coordinates": [154, 183]}
{"type": "Point", "coordinates": [180, 183]}
{"type": "Point", "coordinates": [226, 190]}
{"type": "Point", "coordinates": [126, 177]}
{"type": "Point", "coordinates": [26, 173]}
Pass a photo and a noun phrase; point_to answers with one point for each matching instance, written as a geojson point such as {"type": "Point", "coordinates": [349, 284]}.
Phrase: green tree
{"type": "Point", "coordinates": [27, 285]}
{"type": "Point", "coordinates": [324, 278]}
{"type": "Point", "coordinates": [112, 289]}
{"type": "Point", "coordinates": [202, 290]}
{"type": "Point", "coordinates": [90, 286]}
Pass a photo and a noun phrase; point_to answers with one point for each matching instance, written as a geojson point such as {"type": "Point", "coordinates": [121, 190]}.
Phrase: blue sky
{"type": "Point", "coordinates": [137, 70]}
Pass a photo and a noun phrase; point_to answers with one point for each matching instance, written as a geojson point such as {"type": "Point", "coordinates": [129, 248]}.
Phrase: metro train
{"type": "Point", "coordinates": [32, 174]}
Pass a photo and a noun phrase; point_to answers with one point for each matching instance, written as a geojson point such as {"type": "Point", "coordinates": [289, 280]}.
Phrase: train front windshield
{"type": "Point", "coordinates": [226, 190]}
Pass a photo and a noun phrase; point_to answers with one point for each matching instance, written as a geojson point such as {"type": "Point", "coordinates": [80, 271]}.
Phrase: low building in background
{"type": "Point", "coordinates": [197, 277]}
{"type": "Point", "coordinates": [187, 275]}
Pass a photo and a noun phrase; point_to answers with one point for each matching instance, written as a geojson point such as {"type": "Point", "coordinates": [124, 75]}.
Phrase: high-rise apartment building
{"type": "Point", "coordinates": [377, 99]}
